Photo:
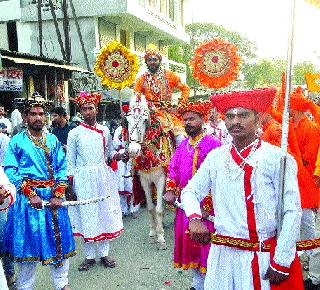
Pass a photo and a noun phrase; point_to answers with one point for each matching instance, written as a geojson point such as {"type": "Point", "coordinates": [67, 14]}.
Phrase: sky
{"type": "Point", "coordinates": [265, 22]}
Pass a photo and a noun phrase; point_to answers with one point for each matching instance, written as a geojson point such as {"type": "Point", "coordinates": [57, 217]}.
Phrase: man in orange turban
{"type": "Point", "coordinates": [158, 85]}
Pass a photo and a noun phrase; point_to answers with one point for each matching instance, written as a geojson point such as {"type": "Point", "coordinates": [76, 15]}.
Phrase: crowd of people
{"type": "Point", "coordinates": [234, 227]}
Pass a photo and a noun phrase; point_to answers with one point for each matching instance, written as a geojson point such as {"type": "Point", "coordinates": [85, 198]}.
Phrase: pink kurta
{"type": "Point", "coordinates": [187, 253]}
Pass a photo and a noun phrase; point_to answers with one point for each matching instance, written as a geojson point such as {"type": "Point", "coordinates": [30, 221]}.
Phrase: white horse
{"type": "Point", "coordinates": [138, 119]}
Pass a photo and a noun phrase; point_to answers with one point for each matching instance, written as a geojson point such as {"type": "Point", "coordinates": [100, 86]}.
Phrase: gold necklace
{"type": "Point", "coordinates": [194, 142]}
{"type": "Point", "coordinates": [40, 142]}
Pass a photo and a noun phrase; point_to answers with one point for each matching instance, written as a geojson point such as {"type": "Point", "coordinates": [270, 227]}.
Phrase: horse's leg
{"type": "Point", "coordinates": [146, 185]}
{"type": "Point", "coordinates": [160, 185]}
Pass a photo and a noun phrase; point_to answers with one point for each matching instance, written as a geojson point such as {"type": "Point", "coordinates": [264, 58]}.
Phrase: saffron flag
{"type": "Point", "coordinates": [313, 82]}
{"type": "Point", "coordinates": [314, 2]}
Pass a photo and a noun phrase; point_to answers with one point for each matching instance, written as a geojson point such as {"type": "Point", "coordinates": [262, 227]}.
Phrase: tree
{"type": "Point", "coordinates": [266, 72]}
{"type": "Point", "coordinates": [299, 71]}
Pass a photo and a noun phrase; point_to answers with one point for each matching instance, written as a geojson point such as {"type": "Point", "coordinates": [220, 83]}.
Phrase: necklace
{"type": "Point", "coordinates": [194, 142]}
{"type": "Point", "coordinates": [40, 142]}
{"type": "Point", "coordinates": [237, 170]}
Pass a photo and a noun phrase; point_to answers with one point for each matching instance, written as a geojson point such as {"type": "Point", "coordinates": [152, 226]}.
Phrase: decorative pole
{"type": "Point", "coordinates": [285, 117]}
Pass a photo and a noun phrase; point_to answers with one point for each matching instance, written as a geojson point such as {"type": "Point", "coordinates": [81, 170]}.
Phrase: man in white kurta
{"type": "Point", "coordinates": [245, 190]}
{"type": "Point", "coordinates": [89, 147]}
{"type": "Point", "coordinates": [7, 197]}
{"type": "Point", "coordinates": [124, 174]}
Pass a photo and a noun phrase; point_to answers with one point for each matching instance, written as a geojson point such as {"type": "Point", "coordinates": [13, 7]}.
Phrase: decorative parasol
{"type": "Point", "coordinates": [215, 63]}
{"type": "Point", "coordinates": [117, 67]}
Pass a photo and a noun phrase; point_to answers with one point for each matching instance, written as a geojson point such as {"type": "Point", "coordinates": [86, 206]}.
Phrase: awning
{"type": "Point", "coordinates": [44, 63]}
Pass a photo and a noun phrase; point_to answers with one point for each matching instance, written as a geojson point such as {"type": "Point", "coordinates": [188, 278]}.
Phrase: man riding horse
{"type": "Point", "coordinates": [157, 85]}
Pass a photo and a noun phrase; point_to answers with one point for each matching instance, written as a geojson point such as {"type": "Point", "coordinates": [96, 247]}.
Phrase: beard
{"type": "Point", "coordinates": [153, 68]}
{"type": "Point", "coordinates": [36, 126]}
{"type": "Point", "coordinates": [193, 131]}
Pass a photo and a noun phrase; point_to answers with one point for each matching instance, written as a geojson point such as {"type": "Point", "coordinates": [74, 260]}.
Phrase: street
{"type": "Point", "coordinates": [140, 265]}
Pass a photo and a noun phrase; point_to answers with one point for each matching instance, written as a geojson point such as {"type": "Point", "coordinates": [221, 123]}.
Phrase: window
{"type": "Point", "coordinates": [123, 37]}
{"type": "Point", "coordinates": [12, 35]}
{"type": "Point", "coordinates": [140, 42]}
{"type": "Point", "coordinates": [107, 31]}
{"type": "Point", "coordinates": [171, 9]}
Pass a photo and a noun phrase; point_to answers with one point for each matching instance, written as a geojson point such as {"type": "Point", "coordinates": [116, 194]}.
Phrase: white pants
{"type": "Point", "coordinates": [314, 263]}
{"type": "Point", "coordinates": [90, 249]}
{"type": "Point", "coordinates": [308, 224]}
{"type": "Point", "coordinates": [26, 275]}
{"type": "Point", "coordinates": [198, 279]}
{"type": "Point", "coordinates": [230, 269]}
{"type": "Point", "coordinates": [3, 280]}
{"type": "Point", "coordinates": [124, 205]}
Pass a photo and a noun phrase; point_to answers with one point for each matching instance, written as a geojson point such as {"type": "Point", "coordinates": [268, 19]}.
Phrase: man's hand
{"type": "Point", "coordinates": [205, 214]}
{"type": "Point", "coordinates": [36, 202]}
{"type": "Point", "coordinates": [2, 193]}
{"type": "Point", "coordinates": [275, 277]}
{"type": "Point", "coordinates": [55, 202]}
{"type": "Point", "coordinates": [170, 197]}
{"type": "Point", "coordinates": [199, 232]}
{"type": "Point", "coordinates": [124, 156]}
{"type": "Point", "coordinates": [70, 194]}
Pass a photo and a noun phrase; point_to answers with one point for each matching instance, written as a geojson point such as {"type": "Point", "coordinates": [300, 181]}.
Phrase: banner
{"type": "Point", "coordinates": [313, 82]}
{"type": "Point", "coordinates": [11, 79]}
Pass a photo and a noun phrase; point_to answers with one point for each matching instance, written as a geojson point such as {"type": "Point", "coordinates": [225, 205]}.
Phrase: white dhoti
{"type": "Point", "coordinates": [96, 221]}
{"type": "Point", "coordinates": [3, 280]}
{"type": "Point", "coordinates": [232, 269]}
{"type": "Point", "coordinates": [27, 273]}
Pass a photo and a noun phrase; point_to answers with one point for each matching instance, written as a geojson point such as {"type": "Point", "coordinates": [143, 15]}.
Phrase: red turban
{"type": "Point", "coordinates": [87, 98]}
{"type": "Point", "coordinates": [257, 99]}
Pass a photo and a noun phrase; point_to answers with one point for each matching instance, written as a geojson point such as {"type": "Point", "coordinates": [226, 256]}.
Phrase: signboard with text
{"type": "Point", "coordinates": [11, 79]}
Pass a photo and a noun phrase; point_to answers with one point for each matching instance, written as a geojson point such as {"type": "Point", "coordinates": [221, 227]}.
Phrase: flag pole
{"type": "Point", "coordinates": [285, 116]}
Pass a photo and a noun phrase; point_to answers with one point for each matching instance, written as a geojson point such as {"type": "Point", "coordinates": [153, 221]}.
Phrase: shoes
{"type": "Point", "coordinates": [66, 288]}
{"type": "Point", "coordinates": [11, 281]}
{"type": "Point", "coordinates": [108, 262]}
{"type": "Point", "coordinates": [86, 265]}
{"type": "Point", "coordinates": [308, 285]}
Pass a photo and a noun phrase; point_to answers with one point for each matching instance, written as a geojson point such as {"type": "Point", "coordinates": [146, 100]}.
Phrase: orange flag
{"type": "Point", "coordinates": [313, 81]}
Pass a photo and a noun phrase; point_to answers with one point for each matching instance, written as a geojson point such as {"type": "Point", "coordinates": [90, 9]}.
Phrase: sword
{"type": "Point", "coordinates": [77, 202]}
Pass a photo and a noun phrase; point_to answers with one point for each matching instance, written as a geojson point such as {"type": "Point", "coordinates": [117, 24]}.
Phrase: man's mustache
{"type": "Point", "coordinates": [235, 127]}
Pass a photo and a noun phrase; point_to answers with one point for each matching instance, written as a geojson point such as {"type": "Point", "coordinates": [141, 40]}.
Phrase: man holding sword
{"type": "Point", "coordinates": [35, 163]}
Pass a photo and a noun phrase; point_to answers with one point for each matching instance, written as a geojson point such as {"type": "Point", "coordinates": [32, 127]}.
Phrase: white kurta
{"type": "Point", "coordinates": [230, 268]}
{"type": "Point", "coordinates": [5, 183]}
{"type": "Point", "coordinates": [86, 156]}
{"type": "Point", "coordinates": [124, 168]}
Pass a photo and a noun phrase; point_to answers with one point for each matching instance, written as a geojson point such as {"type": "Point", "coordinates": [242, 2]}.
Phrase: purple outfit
{"type": "Point", "coordinates": [187, 253]}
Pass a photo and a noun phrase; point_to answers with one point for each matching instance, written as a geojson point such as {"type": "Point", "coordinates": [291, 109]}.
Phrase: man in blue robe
{"type": "Point", "coordinates": [35, 163]}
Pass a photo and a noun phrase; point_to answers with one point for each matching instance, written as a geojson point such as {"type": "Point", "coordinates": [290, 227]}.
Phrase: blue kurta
{"type": "Point", "coordinates": [36, 235]}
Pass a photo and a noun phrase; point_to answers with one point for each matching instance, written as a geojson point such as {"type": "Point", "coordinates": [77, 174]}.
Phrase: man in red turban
{"type": "Point", "coordinates": [244, 178]}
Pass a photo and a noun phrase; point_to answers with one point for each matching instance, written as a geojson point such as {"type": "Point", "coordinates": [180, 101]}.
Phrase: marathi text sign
{"type": "Point", "coordinates": [11, 79]}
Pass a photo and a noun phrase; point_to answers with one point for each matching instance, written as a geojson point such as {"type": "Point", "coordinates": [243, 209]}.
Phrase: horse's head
{"type": "Point", "coordinates": [138, 119]}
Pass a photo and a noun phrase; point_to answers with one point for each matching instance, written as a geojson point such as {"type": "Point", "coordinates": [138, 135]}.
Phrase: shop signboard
{"type": "Point", "coordinates": [11, 79]}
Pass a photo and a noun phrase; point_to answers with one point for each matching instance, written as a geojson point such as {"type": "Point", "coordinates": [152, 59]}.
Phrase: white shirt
{"type": "Point", "coordinates": [220, 174]}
